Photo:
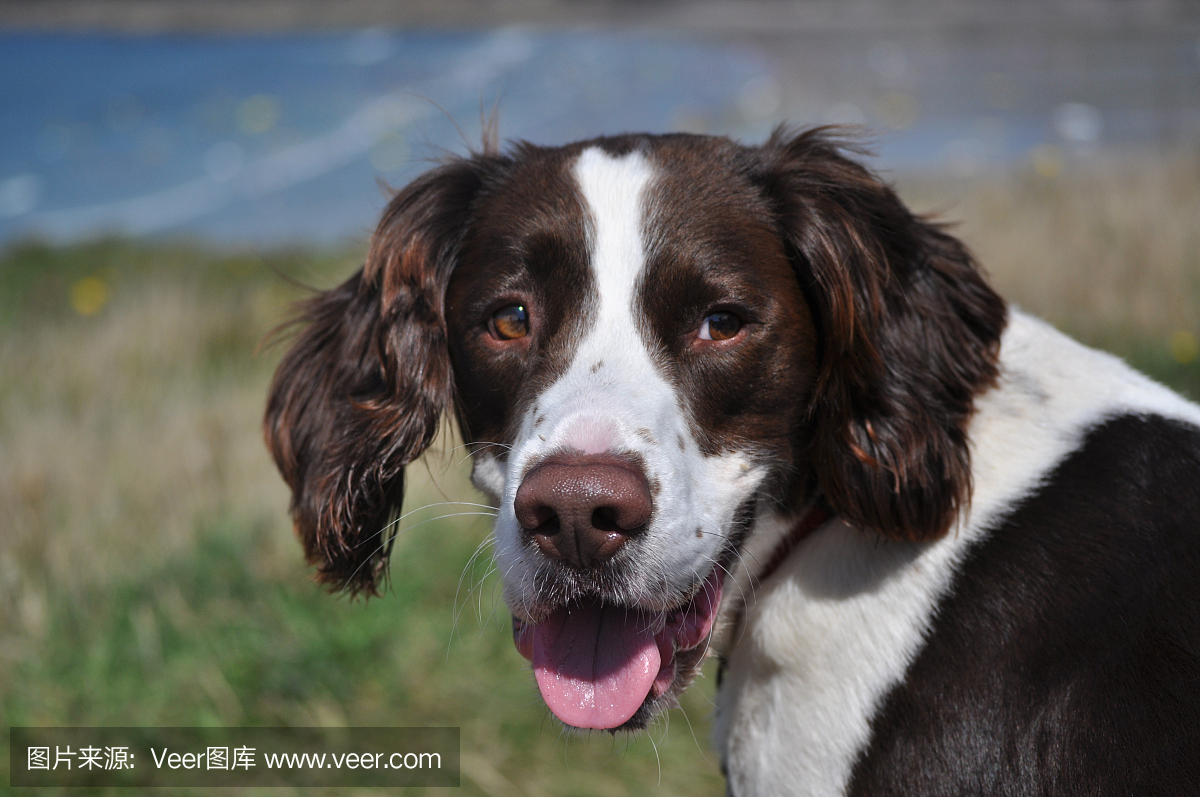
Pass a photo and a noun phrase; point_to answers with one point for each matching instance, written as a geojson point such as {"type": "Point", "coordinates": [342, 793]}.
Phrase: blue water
{"type": "Point", "coordinates": [267, 139]}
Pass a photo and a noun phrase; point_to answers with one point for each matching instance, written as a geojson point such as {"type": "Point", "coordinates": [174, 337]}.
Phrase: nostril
{"type": "Point", "coordinates": [545, 521]}
{"type": "Point", "coordinates": [605, 519]}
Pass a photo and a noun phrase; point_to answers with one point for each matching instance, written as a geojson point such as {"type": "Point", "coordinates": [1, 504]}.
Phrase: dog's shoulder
{"type": "Point", "coordinates": [1065, 657]}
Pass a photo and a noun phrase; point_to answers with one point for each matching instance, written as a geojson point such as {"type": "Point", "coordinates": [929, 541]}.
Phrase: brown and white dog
{"type": "Point", "coordinates": [739, 398]}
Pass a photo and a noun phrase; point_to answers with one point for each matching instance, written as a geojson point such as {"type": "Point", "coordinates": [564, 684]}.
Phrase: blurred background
{"type": "Point", "coordinates": [170, 171]}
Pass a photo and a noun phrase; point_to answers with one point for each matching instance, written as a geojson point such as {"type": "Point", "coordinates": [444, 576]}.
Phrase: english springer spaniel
{"type": "Point", "coordinates": [738, 400]}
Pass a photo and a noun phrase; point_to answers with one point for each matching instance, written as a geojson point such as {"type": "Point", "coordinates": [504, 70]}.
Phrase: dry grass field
{"type": "Point", "coordinates": [147, 570]}
{"type": "Point", "coordinates": [1108, 249]}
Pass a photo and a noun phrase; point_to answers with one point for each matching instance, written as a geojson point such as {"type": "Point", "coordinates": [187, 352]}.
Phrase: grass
{"type": "Point", "coordinates": [147, 571]}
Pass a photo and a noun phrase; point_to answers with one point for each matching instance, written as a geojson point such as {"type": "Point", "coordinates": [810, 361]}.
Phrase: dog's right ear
{"type": "Point", "coordinates": [362, 389]}
{"type": "Point", "coordinates": [910, 335]}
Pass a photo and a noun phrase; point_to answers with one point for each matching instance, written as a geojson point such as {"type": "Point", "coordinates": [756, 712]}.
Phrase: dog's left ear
{"type": "Point", "coordinates": [909, 335]}
{"type": "Point", "coordinates": [361, 392]}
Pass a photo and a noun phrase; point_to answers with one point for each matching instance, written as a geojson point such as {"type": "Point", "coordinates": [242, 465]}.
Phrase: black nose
{"type": "Point", "coordinates": [582, 510]}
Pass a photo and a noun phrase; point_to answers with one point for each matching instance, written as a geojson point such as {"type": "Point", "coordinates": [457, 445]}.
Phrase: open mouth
{"type": "Point", "coordinates": [597, 663]}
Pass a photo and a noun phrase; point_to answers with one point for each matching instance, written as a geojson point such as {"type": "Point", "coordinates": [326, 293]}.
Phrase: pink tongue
{"type": "Point", "coordinates": [595, 664]}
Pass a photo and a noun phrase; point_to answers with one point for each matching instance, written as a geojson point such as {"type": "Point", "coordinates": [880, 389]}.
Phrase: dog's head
{"type": "Point", "coordinates": [650, 342]}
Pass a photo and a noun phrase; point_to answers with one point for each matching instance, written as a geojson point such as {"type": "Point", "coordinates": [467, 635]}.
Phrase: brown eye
{"type": "Point", "coordinates": [720, 326]}
{"type": "Point", "coordinates": [510, 323]}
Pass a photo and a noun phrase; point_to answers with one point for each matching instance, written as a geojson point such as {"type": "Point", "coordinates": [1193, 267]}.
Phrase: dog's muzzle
{"type": "Point", "coordinates": [597, 662]}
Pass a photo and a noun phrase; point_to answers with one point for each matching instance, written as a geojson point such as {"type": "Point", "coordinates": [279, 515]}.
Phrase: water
{"type": "Point", "coordinates": [270, 139]}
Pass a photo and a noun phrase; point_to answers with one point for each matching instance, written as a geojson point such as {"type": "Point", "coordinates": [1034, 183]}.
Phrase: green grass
{"type": "Point", "coordinates": [148, 574]}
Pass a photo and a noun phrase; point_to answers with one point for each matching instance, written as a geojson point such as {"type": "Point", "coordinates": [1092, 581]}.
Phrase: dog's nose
{"type": "Point", "coordinates": [582, 511]}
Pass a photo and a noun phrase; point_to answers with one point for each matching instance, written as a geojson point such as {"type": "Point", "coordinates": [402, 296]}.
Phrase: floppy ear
{"type": "Point", "coordinates": [910, 334]}
{"type": "Point", "coordinates": [361, 391]}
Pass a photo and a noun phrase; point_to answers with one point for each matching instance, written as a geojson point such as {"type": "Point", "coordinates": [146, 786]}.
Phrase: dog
{"type": "Point", "coordinates": [739, 400]}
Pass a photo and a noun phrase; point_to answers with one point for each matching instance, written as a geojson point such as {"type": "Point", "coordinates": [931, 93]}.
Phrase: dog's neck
{"type": "Point", "coordinates": [815, 517]}
{"type": "Point", "coordinates": [755, 567]}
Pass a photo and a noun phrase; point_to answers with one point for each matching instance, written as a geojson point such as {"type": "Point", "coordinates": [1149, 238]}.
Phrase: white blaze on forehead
{"type": "Point", "coordinates": [613, 191]}
{"type": "Point", "coordinates": [612, 385]}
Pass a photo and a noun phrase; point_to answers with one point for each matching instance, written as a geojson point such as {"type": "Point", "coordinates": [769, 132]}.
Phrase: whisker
{"type": "Point", "coordinates": [423, 507]}
{"type": "Point", "coordinates": [391, 538]}
{"type": "Point", "coordinates": [387, 526]}
{"type": "Point", "coordinates": [658, 759]}
{"type": "Point", "coordinates": [692, 729]}
{"type": "Point", "coordinates": [449, 515]}
{"type": "Point", "coordinates": [483, 444]}
{"type": "Point", "coordinates": [495, 603]}
{"type": "Point", "coordinates": [476, 448]}
{"type": "Point", "coordinates": [457, 609]}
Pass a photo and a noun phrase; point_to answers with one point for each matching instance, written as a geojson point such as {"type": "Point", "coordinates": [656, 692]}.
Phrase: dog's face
{"type": "Point", "coordinates": [649, 343]}
{"type": "Point", "coordinates": [633, 357]}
